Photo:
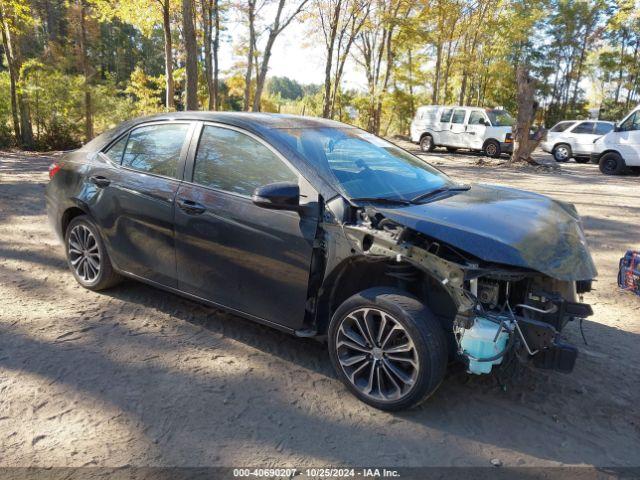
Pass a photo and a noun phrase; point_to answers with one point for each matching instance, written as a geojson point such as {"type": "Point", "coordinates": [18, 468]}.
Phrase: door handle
{"type": "Point", "coordinates": [100, 181]}
{"type": "Point", "coordinates": [190, 207]}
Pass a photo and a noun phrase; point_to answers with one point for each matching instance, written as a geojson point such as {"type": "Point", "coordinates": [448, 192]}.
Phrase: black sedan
{"type": "Point", "coordinates": [324, 230]}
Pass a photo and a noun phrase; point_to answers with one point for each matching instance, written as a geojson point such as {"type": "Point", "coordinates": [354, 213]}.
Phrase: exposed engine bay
{"type": "Point", "coordinates": [497, 312]}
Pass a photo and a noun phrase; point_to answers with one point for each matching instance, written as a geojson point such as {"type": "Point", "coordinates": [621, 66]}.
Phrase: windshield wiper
{"type": "Point", "coordinates": [393, 201]}
{"type": "Point", "coordinates": [438, 191]}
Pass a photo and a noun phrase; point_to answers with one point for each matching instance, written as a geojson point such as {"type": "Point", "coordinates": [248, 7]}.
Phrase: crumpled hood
{"type": "Point", "coordinates": [508, 226]}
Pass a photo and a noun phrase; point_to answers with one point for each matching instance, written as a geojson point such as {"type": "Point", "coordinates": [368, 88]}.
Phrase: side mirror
{"type": "Point", "coordinates": [616, 127]}
{"type": "Point", "coordinates": [278, 196]}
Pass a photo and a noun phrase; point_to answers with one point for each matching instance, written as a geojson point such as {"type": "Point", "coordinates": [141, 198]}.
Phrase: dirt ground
{"type": "Point", "coordinates": [136, 376]}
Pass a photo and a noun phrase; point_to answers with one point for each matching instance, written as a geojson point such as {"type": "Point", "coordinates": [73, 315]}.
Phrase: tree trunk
{"type": "Point", "coordinates": [216, 47]}
{"type": "Point", "coordinates": [252, 35]}
{"type": "Point", "coordinates": [208, 67]}
{"type": "Point", "coordinates": [168, 56]}
{"type": "Point", "coordinates": [191, 48]}
{"type": "Point", "coordinates": [436, 83]}
{"type": "Point", "coordinates": [333, 29]}
{"type": "Point", "coordinates": [13, 78]}
{"type": "Point", "coordinates": [88, 109]}
{"type": "Point", "coordinates": [527, 107]}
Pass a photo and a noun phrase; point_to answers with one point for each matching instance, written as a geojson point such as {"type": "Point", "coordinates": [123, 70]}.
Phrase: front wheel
{"type": "Point", "coordinates": [87, 256]}
{"type": "Point", "coordinates": [387, 348]}
{"type": "Point", "coordinates": [612, 164]}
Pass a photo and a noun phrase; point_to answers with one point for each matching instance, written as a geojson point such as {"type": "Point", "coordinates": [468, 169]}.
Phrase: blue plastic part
{"type": "Point", "coordinates": [480, 341]}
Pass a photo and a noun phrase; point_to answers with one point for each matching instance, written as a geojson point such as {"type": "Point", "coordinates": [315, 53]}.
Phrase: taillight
{"type": "Point", "coordinates": [508, 138]}
{"type": "Point", "coordinates": [53, 169]}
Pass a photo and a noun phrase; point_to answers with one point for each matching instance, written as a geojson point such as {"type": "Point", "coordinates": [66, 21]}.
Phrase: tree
{"type": "Point", "coordinates": [211, 34]}
{"type": "Point", "coordinates": [524, 145]}
{"type": "Point", "coordinates": [376, 52]}
{"type": "Point", "coordinates": [145, 15]}
{"type": "Point", "coordinates": [340, 23]}
{"type": "Point", "coordinates": [280, 22]}
{"type": "Point", "coordinates": [251, 17]}
{"type": "Point", "coordinates": [191, 51]}
{"type": "Point", "coordinates": [86, 71]}
{"type": "Point", "coordinates": [14, 18]}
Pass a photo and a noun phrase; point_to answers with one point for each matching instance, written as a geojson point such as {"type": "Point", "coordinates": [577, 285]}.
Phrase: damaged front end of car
{"type": "Point", "coordinates": [491, 310]}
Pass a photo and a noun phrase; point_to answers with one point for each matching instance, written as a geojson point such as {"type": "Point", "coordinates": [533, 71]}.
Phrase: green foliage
{"type": "Point", "coordinates": [285, 88]}
{"type": "Point", "coordinates": [6, 138]}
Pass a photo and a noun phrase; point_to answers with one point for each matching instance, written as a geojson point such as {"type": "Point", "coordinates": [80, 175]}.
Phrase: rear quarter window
{"type": "Point", "coordinates": [562, 126]}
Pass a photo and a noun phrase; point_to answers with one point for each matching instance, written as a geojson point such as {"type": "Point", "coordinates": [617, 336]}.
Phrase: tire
{"type": "Point", "coordinates": [83, 241]}
{"type": "Point", "coordinates": [452, 149]}
{"type": "Point", "coordinates": [492, 149]}
{"type": "Point", "coordinates": [562, 152]}
{"type": "Point", "coordinates": [426, 143]}
{"type": "Point", "coordinates": [583, 160]}
{"type": "Point", "coordinates": [398, 380]}
{"type": "Point", "coordinates": [612, 163]}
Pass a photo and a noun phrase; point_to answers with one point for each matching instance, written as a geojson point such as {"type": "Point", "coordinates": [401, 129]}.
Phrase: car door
{"type": "Point", "coordinates": [231, 251]}
{"type": "Point", "coordinates": [457, 129]}
{"type": "Point", "coordinates": [628, 139]}
{"type": "Point", "coordinates": [475, 130]}
{"type": "Point", "coordinates": [442, 136]}
{"type": "Point", "coordinates": [135, 205]}
{"type": "Point", "coordinates": [581, 138]}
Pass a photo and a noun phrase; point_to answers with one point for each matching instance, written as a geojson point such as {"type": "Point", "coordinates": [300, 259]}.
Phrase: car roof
{"type": "Point", "coordinates": [584, 120]}
{"type": "Point", "coordinates": [248, 119]}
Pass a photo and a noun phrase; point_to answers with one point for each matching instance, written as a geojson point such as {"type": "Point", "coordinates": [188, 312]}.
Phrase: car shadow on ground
{"type": "Point", "coordinates": [464, 406]}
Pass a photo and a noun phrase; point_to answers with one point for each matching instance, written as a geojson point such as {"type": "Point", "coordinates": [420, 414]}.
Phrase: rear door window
{"type": "Point", "coordinates": [584, 127]}
{"type": "Point", "coordinates": [156, 148]}
{"type": "Point", "coordinates": [562, 126]}
{"type": "Point", "coordinates": [446, 116]}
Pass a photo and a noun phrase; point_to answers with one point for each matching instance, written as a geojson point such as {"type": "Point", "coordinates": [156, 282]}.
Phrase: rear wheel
{"type": "Point", "coordinates": [387, 348]}
{"type": "Point", "coordinates": [87, 256]}
{"type": "Point", "coordinates": [426, 143]}
{"type": "Point", "coordinates": [612, 164]}
{"type": "Point", "coordinates": [561, 152]}
{"type": "Point", "coordinates": [492, 149]}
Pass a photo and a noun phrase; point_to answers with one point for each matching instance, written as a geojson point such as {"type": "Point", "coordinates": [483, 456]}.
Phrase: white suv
{"type": "Point", "coordinates": [574, 139]}
{"type": "Point", "coordinates": [619, 150]}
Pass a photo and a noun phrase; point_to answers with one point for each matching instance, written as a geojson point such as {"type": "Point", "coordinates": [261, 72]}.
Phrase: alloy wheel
{"type": "Point", "coordinates": [84, 253]}
{"type": "Point", "coordinates": [491, 149]}
{"type": "Point", "coordinates": [377, 354]}
{"type": "Point", "coordinates": [561, 153]}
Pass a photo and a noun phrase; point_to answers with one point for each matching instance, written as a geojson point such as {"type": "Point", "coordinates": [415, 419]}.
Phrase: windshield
{"type": "Point", "coordinates": [500, 118]}
{"type": "Point", "coordinates": [365, 166]}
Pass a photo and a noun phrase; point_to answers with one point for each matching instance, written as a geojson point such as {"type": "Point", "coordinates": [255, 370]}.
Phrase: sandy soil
{"type": "Point", "coordinates": [136, 376]}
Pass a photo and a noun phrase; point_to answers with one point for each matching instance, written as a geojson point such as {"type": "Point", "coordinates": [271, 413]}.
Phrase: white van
{"type": "Point", "coordinates": [473, 128]}
{"type": "Point", "coordinates": [619, 150]}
